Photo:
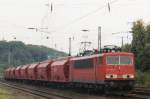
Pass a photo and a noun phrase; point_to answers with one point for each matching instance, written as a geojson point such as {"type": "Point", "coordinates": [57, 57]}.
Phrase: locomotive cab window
{"type": "Point", "coordinates": [125, 60]}
{"type": "Point", "coordinates": [85, 63]}
{"type": "Point", "coordinates": [119, 60]}
{"type": "Point", "coordinates": [113, 60]}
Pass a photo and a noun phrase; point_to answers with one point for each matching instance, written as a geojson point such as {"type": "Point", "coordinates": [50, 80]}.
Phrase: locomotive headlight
{"type": "Point", "coordinates": [124, 76]}
{"type": "Point", "coordinates": [131, 76]}
{"type": "Point", "coordinates": [111, 76]}
{"type": "Point", "coordinates": [114, 76]}
{"type": "Point", "coordinates": [108, 76]}
{"type": "Point", "coordinates": [128, 76]}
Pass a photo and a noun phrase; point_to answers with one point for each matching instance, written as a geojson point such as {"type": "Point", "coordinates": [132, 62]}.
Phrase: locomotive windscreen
{"type": "Point", "coordinates": [119, 60]}
{"type": "Point", "coordinates": [125, 60]}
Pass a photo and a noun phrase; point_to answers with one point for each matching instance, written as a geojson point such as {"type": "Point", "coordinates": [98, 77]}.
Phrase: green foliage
{"type": "Point", "coordinates": [126, 48]}
{"type": "Point", "coordinates": [10, 93]}
{"type": "Point", "coordinates": [138, 31]}
{"type": "Point", "coordinates": [17, 53]}
{"type": "Point", "coordinates": [147, 35]}
{"type": "Point", "coordinates": [143, 78]}
{"type": "Point", "coordinates": [146, 57]}
{"type": "Point", "coordinates": [140, 44]}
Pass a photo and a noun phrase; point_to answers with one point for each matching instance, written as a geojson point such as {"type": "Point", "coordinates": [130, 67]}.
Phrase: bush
{"type": "Point", "coordinates": [143, 78]}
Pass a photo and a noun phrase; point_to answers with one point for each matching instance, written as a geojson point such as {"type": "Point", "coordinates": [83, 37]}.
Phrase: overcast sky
{"type": "Point", "coordinates": [68, 18]}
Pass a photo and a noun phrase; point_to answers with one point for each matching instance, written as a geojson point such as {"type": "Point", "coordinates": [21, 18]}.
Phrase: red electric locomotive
{"type": "Point", "coordinates": [107, 70]}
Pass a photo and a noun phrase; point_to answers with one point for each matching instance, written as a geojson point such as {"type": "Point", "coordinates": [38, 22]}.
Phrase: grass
{"type": "Point", "coordinates": [7, 93]}
{"type": "Point", "coordinates": [143, 78]}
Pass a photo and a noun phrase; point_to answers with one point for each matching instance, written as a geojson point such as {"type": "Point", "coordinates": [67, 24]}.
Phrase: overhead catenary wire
{"type": "Point", "coordinates": [43, 19]}
{"type": "Point", "coordinates": [86, 15]}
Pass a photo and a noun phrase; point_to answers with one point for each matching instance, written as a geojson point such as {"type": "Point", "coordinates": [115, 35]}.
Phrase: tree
{"type": "Point", "coordinates": [141, 44]}
{"type": "Point", "coordinates": [146, 57]}
{"type": "Point", "coordinates": [17, 53]}
{"type": "Point", "coordinates": [138, 31]}
{"type": "Point", "coordinates": [126, 48]}
{"type": "Point", "coordinates": [147, 35]}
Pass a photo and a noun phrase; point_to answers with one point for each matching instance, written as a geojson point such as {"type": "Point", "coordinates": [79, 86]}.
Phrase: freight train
{"type": "Point", "coordinates": [106, 71]}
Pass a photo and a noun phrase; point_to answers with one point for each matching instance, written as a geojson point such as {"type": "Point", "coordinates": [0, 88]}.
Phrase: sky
{"type": "Point", "coordinates": [67, 19]}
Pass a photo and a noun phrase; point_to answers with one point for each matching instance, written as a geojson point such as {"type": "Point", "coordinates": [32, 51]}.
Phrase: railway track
{"type": "Point", "coordinates": [80, 94]}
{"type": "Point", "coordinates": [39, 93]}
{"type": "Point", "coordinates": [139, 93]}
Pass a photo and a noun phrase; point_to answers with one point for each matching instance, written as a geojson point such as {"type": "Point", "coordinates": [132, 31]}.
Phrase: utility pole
{"type": "Point", "coordinates": [9, 57]}
{"type": "Point", "coordinates": [69, 46]}
{"type": "Point", "coordinates": [122, 41]}
{"type": "Point", "coordinates": [122, 38]}
{"type": "Point", "coordinates": [99, 38]}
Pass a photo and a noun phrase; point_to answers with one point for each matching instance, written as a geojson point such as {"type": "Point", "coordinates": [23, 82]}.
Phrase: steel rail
{"type": "Point", "coordinates": [139, 93]}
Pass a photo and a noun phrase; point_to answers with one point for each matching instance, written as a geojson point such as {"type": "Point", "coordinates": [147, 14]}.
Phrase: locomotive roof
{"type": "Point", "coordinates": [102, 54]}
{"type": "Point", "coordinates": [118, 53]}
{"type": "Point", "coordinates": [85, 57]}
